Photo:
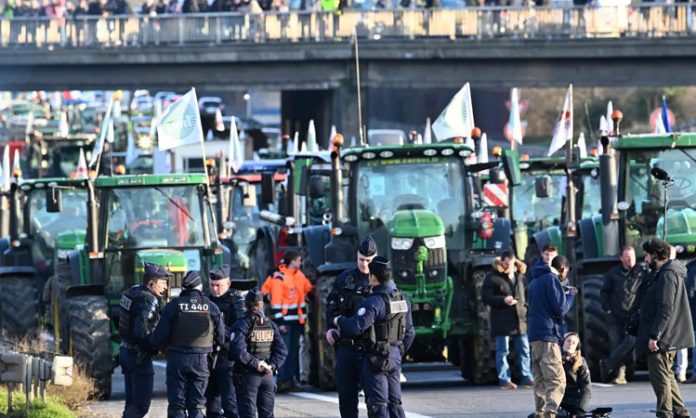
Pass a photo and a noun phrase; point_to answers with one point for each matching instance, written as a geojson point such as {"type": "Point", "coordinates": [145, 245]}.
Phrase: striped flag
{"type": "Point", "coordinates": [563, 130]}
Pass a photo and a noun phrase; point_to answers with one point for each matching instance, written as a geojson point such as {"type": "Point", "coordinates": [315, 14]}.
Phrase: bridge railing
{"type": "Point", "coordinates": [456, 24]}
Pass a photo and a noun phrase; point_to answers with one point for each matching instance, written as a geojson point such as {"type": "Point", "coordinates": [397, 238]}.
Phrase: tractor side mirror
{"type": "Point", "coordinates": [511, 165]}
{"type": "Point", "coordinates": [267, 188]}
{"type": "Point", "coordinates": [542, 185]}
{"type": "Point", "coordinates": [249, 196]}
{"type": "Point", "coordinates": [304, 178]}
{"type": "Point", "coordinates": [54, 199]}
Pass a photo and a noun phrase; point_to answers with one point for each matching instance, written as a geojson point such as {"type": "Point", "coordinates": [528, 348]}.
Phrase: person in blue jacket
{"type": "Point", "coordinates": [548, 302]}
{"type": "Point", "coordinates": [258, 351]}
{"type": "Point", "coordinates": [385, 317]}
{"type": "Point", "coordinates": [190, 328]}
{"type": "Point", "coordinates": [541, 265]}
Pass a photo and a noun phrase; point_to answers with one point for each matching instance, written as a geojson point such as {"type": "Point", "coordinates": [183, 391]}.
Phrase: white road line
{"type": "Point", "coordinates": [160, 363]}
{"type": "Point", "coordinates": [334, 400]}
{"type": "Point", "coordinates": [602, 385]}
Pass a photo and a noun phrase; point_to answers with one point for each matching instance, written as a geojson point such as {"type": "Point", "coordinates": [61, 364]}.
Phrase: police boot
{"type": "Point", "coordinates": [620, 377]}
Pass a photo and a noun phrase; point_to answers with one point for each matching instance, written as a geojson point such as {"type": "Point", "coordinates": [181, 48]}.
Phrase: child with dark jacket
{"type": "Point", "coordinates": [578, 391]}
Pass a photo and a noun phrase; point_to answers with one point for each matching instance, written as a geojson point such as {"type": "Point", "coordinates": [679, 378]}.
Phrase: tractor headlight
{"type": "Point", "coordinates": [401, 243]}
{"type": "Point", "coordinates": [435, 242]}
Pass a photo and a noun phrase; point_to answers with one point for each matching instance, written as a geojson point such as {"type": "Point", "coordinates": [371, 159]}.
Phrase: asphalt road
{"type": "Point", "coordinates": [429, 392]}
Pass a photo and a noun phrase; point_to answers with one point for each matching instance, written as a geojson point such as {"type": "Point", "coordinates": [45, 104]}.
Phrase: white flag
{"type": "Point", "coordinates": [332, 134]}
{"type": "Point", "coordinates": [311, 143]}
{"type": "Point", "coordinates": [582, 146]}
{"type": "Point", "coordinates": [660, 126]}
{"type": "Point", "coordinates": [563, 131]}
{"type": "Point", "coordinates": [292, 146]}
{"type": "Point", "coordinates": [235, 155]}
{"type": "Point", "coordinates": [6, 170]}
{"type": "Point", "coordinates": [483, 149]}
{"type": "Point", "coordinates": [99, 145]}
{"type": "Point", "coordinates": [63, 127]}
{"type": "Point", "coordinates": [132, 152]}
{"type": "Point", "coordinates": [515, 124]}
{"type": "Point", "coordinates": [81, 170]}
{"type": "Point", "coordinates": [610, 121]}
{"type": "Point", "coordinates": [427, 135]}
{"type": "Point", "coordinates": [457, 120]}
{"type": "Point", "coordinates": [16, 168]}
{"type": "Point", "coordinates": [110, 131]}
{"type": "Point", "coordinates": [181, 123]}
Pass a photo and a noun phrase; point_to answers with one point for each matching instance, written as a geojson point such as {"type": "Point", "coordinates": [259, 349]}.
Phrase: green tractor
{"type": "Point", "coordinates": [420, 202]}
{"type": "Point", "coordinates": [33, 241]}
{"type": "Point", "coordinates": [652, 193]}
{"type": "Point", "coordinates": [57, 156]}
{"type": "Point", "coordinates": [164, 219]}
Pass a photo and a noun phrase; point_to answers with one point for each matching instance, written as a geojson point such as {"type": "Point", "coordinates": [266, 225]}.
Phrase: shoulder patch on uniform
{"type": "Point", "coordinates": [126, 302]}
{"type": "Point", "coordinates": [361, 311]}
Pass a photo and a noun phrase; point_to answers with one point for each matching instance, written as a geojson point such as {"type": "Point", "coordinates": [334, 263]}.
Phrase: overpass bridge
{"type": "Point", "coordinates": [310, 56]}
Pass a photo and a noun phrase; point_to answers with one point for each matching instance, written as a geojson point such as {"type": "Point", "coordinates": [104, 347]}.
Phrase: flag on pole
{"type": "Point", "coordinates": [427, 134]}
{"type": "Point", "coordinates": [99, 145]}
{"type": "Point", "coordinates": [660, 126]}
{"type": "Point", "coordinates": [582, 146]}
{"type": "Point", "coordinates": [6, 172]}
{"type": "Point", "coordinates": [292, 146]}
{"type": "Point", "coordinates": [332, 134]}
{"type": "Point", "coordinates": [235, 155]}
{"type": "Point", "coordinates": [110, 131]}
{"type": "Point", "coordinates": [457, 119]}
{"type": "Point", "coordinates": [563, 130]}
{"type": "Point", "coordinates": [515, 124]}
{"type": "Point", "coordinates": [665, 115]}
{"type": "Point", "coordinates": [16, 168]}
{"type": "Point", "coordinates": [609, 121]}
{"type": "Point", "coordinates": [483, 149]}
{"type": "Point", "coordinates": [311, 143]}
{"type": "Point", "coordinates": [219, 124]}
{"type": "Point", "coordinates": [63, 127]}
{"type": "Point", "coordinates": [181, 123]}
{"type": "Point", "coordinates": [81, 170]}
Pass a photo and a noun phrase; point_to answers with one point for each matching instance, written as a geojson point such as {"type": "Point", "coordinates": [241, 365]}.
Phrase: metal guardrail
{"type": "Point", "coordinates": [469, 23]}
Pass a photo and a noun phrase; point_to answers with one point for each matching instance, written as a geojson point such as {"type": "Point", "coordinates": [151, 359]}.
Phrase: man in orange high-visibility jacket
{"type": "Point", "coordinates": [288, 288]}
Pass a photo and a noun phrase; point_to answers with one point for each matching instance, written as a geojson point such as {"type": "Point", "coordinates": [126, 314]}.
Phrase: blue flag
{"type": "Point", "coordinates": [665, 115]}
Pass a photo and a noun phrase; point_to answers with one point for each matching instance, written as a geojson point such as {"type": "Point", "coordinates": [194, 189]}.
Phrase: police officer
{"type": "Point", "coordinates": [386, 318]}
{"type": "Point", "coordinates": [259, 351]}
{"type": "Point", "coordinates": [349, 291]}
{"type": "Point", "coordinates": [138, 317]}
{"type": "Point", "coordinates": [191, 325]}
{"type": "Point", "coordinates": [221, 392]}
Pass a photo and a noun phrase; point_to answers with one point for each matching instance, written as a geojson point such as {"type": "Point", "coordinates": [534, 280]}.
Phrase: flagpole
{"type": "Point", "coordinates": [357, 77]}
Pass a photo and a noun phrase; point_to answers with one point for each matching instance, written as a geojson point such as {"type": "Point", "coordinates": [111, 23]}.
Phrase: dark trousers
{"type": "Point", "coordinates": [621, 343]}
{"type": "Point", "coordinates": [383, 389]}
{"type": "Point", "coordinates": [256, 393]}
{"type": "Point", "coordinates": [221, 394]}
{"type": "Point", "coordinates": [348, 379]}
{"type": "Point", "coordinates": [669, 400]}
{"type": "Point", "coordinates": [290, 368]}
{"type": "Point", "coordinates": [187, 379]}
{"type": "Point", "coordinates": [138, 377]}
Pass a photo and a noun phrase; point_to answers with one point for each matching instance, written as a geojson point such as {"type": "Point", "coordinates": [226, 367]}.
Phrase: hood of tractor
{"type": "Point", "coordinates": [173, 260]}
{"type": "Point", "coordinates": [68, 240]}
{"type": "Point", "coordinates": [415, 223]}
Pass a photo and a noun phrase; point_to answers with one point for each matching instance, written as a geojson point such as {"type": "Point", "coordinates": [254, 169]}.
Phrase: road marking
{"type": "Point", "coordinates": [602, 385]}
{"type": "Point", "coordinates": [160, 363]}
{"type": "Point", "coordinates": [334, 400]}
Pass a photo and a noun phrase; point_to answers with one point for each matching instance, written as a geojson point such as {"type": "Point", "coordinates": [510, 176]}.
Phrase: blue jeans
{"type": "Point", "coordinates": [291, 367]}
{"type": "Point", "coordinates": [502, 351]}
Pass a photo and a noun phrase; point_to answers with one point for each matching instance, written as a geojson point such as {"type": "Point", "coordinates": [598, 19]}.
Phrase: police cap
{"type": "Point", "coordinates": [380, 267]}
{"type": "Point", "coordinates": [154, 271]}
{"type": "Point", "coordinates": [253, 296]}
{"type": "Point", "coordinates": [368, 247]}
{"type": "Point", "coordinates": [220, 273]}
{"type": "Point", "coordinates": [191, 279]}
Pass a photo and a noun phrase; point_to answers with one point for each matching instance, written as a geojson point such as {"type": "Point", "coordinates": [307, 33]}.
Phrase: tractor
{"type": "Point", "coordinates": [165, 219]}
{"type": "Point", "coordinates": [57, 156]}
{"type": "Point", "coordinates": [420, 202]}
{"type": "Point", "coordinates": [34, 239]}
{"type": "Point", "coordinates": [651, 194]}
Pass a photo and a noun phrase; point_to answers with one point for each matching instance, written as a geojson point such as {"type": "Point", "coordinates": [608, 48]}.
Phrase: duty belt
{"type": "Point", "coordinates": [350, 341]}
{"type": "Point", "coordinates": [130, 346]}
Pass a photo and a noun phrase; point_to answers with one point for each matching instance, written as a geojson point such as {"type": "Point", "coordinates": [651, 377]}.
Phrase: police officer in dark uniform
{"type": "Point", "coordinates": [139, 314]}
{"type": "Point", "coordinates": [190, 327]}
{"type": "Point", "coordinates": [349, 291]}
{"type": "Point", "coordinates": [385, 317]}
{"type": "Point", "coordinates": [258, 351]}
{"type": "Point", "coordinates": [221, 391]}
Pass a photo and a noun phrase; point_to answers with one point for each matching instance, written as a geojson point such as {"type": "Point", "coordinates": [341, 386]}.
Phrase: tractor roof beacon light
{"type": "Point", "coordinates": [617, 117]}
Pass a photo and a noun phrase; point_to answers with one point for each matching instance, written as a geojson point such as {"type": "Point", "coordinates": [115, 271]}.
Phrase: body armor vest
{"type": "Point", "coordinates": [392, 327]}
{"type": "Point", "coordinates": [260, 337]}
{"type": "Point", "coordinates": [352, 296]}
{"type": "Point", "coordinates": [192, 326]}
{"type": "Point", "coordinates": [134, 299]}
{"type": "Point", "coordinates": [226, 304]}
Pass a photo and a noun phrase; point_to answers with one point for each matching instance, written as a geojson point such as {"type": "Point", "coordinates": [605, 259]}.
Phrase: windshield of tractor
{"type": "Point", "coordinates": [539, 212]}
{"type": "Point", "coordinates": [385, 186]}
{"type": "Point", "coordinates": [66, 158]}
{"type": "Point", "coordinates": [45, 226]}
{"type": "Point", "coordinates": [592, 199]}
{"type": "Point", "coordinates": [158, 216]}
{"type": "Point", "coordinates": [645, 194]}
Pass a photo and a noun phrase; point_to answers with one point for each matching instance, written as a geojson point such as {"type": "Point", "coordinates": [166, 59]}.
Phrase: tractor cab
{"type": "Point", "coordinates": [57, 156]}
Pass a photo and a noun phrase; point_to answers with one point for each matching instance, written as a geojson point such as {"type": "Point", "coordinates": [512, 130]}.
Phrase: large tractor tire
{"type": "Point", "coordinates": [90, 342]}
{"type": "Point", "coordinates": [478, 352]}
{"type": "Point", "coordinates": [595, 339]}
{"type": "Point", "coordinates": [323, 354]}
{"type": "Point", "coordinates": [19, 302]}
{"type": "Point", "coordinates": [56, 318]}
